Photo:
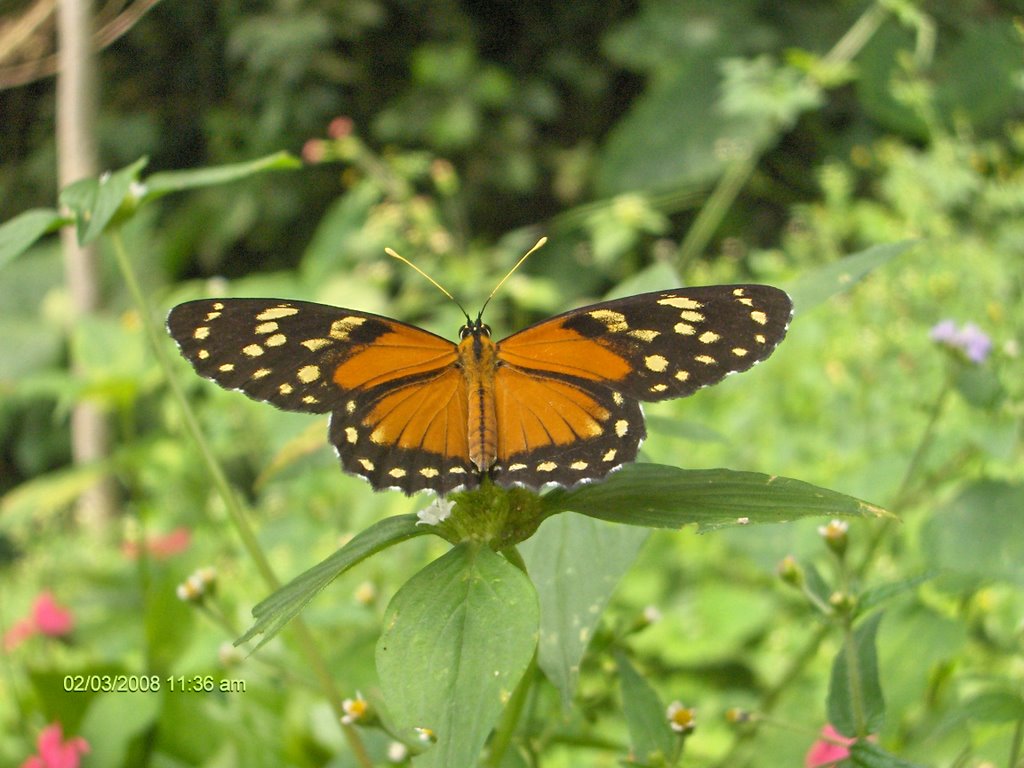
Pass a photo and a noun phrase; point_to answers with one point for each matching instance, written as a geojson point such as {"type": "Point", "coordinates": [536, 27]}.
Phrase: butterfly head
{"type": "Point", "coordinates": [474, 328]}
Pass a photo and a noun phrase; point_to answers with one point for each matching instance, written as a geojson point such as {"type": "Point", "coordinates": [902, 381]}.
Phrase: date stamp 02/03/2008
{"type": "Point", "coordinates": [93, 683]}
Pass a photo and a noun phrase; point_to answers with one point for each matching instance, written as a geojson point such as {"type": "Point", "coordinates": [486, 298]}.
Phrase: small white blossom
{"type": "Point", "coordinates": [436, 513]}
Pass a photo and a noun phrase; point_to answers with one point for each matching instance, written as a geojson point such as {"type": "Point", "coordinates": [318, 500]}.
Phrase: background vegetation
{"type": "Point", "coordinates": [656, 144]}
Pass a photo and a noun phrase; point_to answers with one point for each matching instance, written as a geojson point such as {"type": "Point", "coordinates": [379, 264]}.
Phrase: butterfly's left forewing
{"type": "Point", "coordinates": [392, 389]}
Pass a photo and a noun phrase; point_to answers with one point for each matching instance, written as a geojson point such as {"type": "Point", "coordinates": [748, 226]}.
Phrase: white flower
{"type": "Point", "coordinates": [436, 513]}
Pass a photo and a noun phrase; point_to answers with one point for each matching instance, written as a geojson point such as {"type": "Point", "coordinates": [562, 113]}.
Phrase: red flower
{"type": "Point", "coordinates": [161, 546]}
{"type": "Point", "coordinates": [54, 752]}
{"type": "Point", "coordinates": [829, 749]}
{"type": "Point", "coordinates": [48, 618]}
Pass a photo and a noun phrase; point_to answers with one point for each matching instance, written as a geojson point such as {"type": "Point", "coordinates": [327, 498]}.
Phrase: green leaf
{"type": "Point", "coordinates": [996, 707]}
{"type": "Point", "coordinates": [282, 606]}
{"type": "Point", "coordinates": [575, 563]}
{"type": "Point", "coordinates": [659, 496]}
{"type": "Point", "coordinates": [816, 286]}
{"type": "Point", "coordinates": [18, 234]}
{"type": "Point", "coordinates": [980, 532]}
{"type": "Point", "coordinates": [166, 182]}
{"type": "Point", "coordinates": [855, 703]}
{"type": "Point", "coordinates": [867, 754]}
{"type": "Point", "coordinates": [95, 202]}
{"type": "Point", "coordinates": [458, 637]}
{"type": "Point", "coordinates": [649, 732]}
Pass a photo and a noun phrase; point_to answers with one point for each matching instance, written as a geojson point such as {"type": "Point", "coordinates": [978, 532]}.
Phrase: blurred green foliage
{"type": "Point", "coordinates": [467, 131]}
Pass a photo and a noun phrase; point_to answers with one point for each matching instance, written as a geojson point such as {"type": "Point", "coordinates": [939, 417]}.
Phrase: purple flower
{"type": "Point", "coordinates": [969, 340]}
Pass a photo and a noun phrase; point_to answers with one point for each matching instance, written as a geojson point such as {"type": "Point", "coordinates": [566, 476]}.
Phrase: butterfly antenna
{"type": "Point", "coordinates": [537, 247]}
{"type": "Point", "coordinates": [395, 255]}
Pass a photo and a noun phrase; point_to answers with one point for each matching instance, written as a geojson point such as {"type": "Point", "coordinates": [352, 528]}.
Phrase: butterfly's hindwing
{"type": "Point", "coordinates": [409, 437]}
{"type": "Point", "coordinates": [561, 430]}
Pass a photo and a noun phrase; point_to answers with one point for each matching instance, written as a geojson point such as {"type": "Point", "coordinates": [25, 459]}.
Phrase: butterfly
{"type": "Point", "coordinates": [556, 403]}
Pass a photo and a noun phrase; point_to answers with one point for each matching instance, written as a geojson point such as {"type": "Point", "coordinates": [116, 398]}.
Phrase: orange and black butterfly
{"type": "Point", "coordinates": [555, 403]}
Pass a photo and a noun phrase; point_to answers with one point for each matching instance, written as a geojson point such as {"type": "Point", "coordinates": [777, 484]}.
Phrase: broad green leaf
{"type": "Point", "coordinates": [575, 563]}
{"type": "Point", "coordinates": [816, 286]}
{"type": "Point", "coordinates": [867, 754]}
{"type": "Point", "coordinates": [166, 182]}
{"type": "Point", "coordinates": [18, 234]}
{"type": "Point", "coordinates": [649, 732]}
{"type": "Point", "coordinates": [282, 606]}
{"type": "Point", "coordinates": [980, 532]}
{"type": "Point", "coordinates": [855, 694]}
{"type": "Point", "coordinates": [996, 707]}
{"type": "Point", "coordinates": [458, 637]}
{"type": "Point", "coordinates": [659, 496]}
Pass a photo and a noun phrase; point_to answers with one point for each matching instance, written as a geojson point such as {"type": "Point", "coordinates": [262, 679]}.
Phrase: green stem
{"type": "Point", "coordinates": [231, 503]}
{"type": "Point", "coordinates": [510, 717]}
{"type": "Point", "coordinates": [739, 171]}
{"type": "Point", "coordinates": [1017, 746]}
{"type": "Point", "coordinates": [732, 181]}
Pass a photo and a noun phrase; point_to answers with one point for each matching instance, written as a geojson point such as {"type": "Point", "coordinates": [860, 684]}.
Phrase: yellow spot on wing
{"type": "Point", "coordinates": [308, 373]}
{"type": "Point", "coordinates": [644, 334]}
{"type": "Point", "coordinates": [259, 373]}
{"type": "Point", "coordinates": [547, 466]}
{"type": "Point", "coordinates": [314, 344]}
{"type": "Point", "coordinates": [340, 329]}
{"type": "Point", "coordinates": [615, 322]}
{"type": "Point", "coordinates": [759, 317]}
{"type": "Point", "coordinates": [286, 389]}
{"type": "Point", "coordinates": [266, 327]}
{"type": "Point", "coordinates": [706, 359]}
{"type": "Point", "coordinates": [351, 434]}
{"type": "Point", "coordinates": [429, 472]}
{"type": "Point", "coordinates": [680, 302]}
{"type": "Point", "coordinates": [685, 329]}
{"type": "Point", "coordinates": [656, 363]}
{"type": "Point", "coordinates": [708, 337]}
{"type": "Point", "coordinates": [227, 368]}
{"type": "Point", "coordinates": [276, 340]}
{"type": "Point", "coordinates": [276, 313]}
{"type": "Point", "coordinates": [253, 350]}
{"type": "Point", "coordinates": [366, 464]}
{"type": "Point", "coordinates": [692, 317]}
{"type": "Point", "coordinates": [621, 427]}
{"type": "Point", "coordinates": [397, 472]}
{"type": "Point", "coordinates": [202, 332]}
{"type": "Point", "coordinates": [579, 466]}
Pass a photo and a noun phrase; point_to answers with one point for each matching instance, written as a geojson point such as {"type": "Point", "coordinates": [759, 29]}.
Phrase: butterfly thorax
{"type": "Point", "coordinates": [478, 359]}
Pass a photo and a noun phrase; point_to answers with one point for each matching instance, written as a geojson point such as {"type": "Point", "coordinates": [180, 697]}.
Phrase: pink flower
{"type": "Point", "coordinates": [162, 546]}
{"type": "Point", "coordinates": [313, 151]}
{"type": "Point", "coordinates": [48, 618]}
{"type": "Point", "coordinates": [829, 749]}
{"type": "Point", "coordinates": [54, 752]}
{"type": "Point", "coordinates": [340, 127]}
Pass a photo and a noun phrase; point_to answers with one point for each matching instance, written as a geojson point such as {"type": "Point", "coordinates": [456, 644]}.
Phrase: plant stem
{"type": "Point", "coordinates": [241, 524]}
{"type": "Point", "coordinates": [510, 717]}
